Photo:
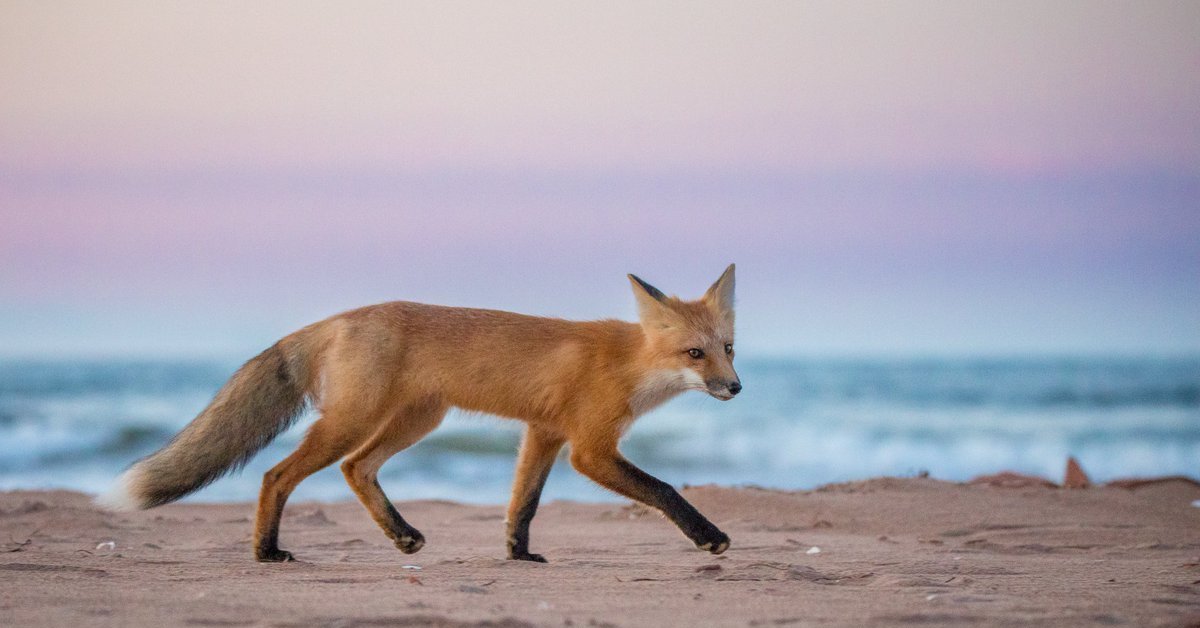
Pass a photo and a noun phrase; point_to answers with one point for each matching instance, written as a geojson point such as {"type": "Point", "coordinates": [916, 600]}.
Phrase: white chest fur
{"type": "Point", "coordinates": [660, 386]}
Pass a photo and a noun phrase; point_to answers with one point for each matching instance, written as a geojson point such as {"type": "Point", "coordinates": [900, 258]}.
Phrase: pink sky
{"type": "Point", "coordinates": [890, 177]}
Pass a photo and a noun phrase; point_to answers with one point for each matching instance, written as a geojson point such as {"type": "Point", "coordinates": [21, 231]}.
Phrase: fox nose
{"type": "Point", "coordinates": [735, 388]}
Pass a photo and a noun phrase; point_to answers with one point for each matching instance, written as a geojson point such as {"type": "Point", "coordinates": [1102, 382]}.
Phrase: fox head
{"type": "Point", "coordinates": [690, 343]}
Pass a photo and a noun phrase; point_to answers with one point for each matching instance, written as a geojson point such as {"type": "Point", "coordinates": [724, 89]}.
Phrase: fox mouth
{"type": "Point", "coordinates": [722, 395]}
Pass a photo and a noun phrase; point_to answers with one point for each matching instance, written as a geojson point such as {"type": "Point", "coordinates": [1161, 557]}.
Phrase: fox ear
{"type": "Point", "coordinates": [651, 302]}
{"type": "Point", "coordinates": [720, 295]}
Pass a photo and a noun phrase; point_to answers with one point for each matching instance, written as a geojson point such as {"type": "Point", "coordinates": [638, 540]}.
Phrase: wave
{"type": "Point", "coordinates": [1014, 384]}
{"type": "Point", "coordinates": [798, 424]}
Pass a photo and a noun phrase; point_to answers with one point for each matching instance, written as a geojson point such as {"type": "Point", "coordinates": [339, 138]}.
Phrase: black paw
{"type": "Point", "coordinates": [535, 558]}
{"type": "Point", "coordinates": [273, 555]}
{"type": "Point", "coordinates": [716, 543]}
{"type": "Point", "coordinates": [411, 543]}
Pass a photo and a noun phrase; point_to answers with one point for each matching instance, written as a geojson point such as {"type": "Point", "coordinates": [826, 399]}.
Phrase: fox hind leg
{"type": "Point", "coordinates": [406, 427]}
{"type": "Point", "coordinates": [538, 450]}
{"type": "Point", "coordinates": [322, 446]}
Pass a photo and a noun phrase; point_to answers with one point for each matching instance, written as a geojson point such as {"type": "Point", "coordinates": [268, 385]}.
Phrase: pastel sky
{"type": "Point", "coordinates": [890, 177]}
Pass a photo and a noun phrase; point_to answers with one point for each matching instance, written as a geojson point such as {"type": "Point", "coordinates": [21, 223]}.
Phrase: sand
{"type": "Point", "coordinates": [883, 552]}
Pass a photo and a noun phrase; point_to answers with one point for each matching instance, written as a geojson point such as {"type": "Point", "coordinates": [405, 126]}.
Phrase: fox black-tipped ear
{"type": "Point", "coordinates": [651, 301]}
{"type": "Point", "coordinates": [720, 295]}
{"type": "Point", "coordinates": [647, 288]}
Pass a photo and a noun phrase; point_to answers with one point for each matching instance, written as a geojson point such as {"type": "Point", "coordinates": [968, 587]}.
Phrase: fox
{"type": "Point", "coordinates": [382, 377]}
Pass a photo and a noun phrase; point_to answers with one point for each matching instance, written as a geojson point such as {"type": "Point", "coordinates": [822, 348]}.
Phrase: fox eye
{"type": "Point", "coordinates": [695, 353]}
{"type": "Point", "coordinates": [728, 348]}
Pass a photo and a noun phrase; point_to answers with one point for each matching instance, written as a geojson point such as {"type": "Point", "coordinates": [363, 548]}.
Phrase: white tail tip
{"type": "Point", "coordinates": [122, 497]}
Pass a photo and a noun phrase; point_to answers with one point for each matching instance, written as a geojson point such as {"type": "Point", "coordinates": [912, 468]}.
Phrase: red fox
{"type": "Point", "coordinates": [383, 376]}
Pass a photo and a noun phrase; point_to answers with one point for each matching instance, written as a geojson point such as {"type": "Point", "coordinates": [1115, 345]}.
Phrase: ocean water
{"type": "Point", "coordinates": [798, 424]}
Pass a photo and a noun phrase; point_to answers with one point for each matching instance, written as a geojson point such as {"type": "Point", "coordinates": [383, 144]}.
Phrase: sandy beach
{"type": "Point", "coordinates": [880, 552]}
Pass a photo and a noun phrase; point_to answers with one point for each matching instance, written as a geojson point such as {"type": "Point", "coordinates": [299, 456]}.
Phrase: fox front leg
{"type": "Point", "coordinates": [538, 450]}
{"type": "Point", "coordinates": [611, 470]}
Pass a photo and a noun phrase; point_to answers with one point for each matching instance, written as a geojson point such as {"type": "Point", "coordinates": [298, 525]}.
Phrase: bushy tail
{"type": "Point", "coordinates": [259, 402]}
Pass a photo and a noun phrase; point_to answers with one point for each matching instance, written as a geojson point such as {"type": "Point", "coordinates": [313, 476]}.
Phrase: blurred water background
{"type": "Point", "coordinates": [799, 424]}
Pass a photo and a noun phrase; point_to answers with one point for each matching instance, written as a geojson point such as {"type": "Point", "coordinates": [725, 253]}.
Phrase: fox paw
{"type": "Point", "coordinates": [717, 545]}
{"type": "Point", "coordinates": [534, 558]}
{"type": "Point", "coordinates": [411, 544]}
{"type": "Point", "coordinates": [273, 555]}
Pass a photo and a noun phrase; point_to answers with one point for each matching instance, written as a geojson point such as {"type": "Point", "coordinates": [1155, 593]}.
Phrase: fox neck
{"type": "Point", "coordinates": [655, 389]}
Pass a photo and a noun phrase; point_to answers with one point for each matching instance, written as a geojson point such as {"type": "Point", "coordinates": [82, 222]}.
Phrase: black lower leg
{"type": "Point", "coordinates": [538, 451]}
{"type": "Point", "coordinates": [266, 543]}
{"type": "Point", "coordinates": [267, 548]}
{"type": "Point", "coordinates": [518, 524]}
{"type": "Point", "coordinates": [407, 538]}
{"type": "Point", "coordinates": [658, 494]}
{"type": "Point", "coordinates": [518, 535]}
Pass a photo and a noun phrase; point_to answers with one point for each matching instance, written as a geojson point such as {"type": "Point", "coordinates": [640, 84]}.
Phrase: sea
{"type": "Point", "coordinates": [798, 424]}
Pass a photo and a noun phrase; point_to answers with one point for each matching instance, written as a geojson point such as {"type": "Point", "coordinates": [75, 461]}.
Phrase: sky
{"type": "Point", "coordinates": [892, 178]}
